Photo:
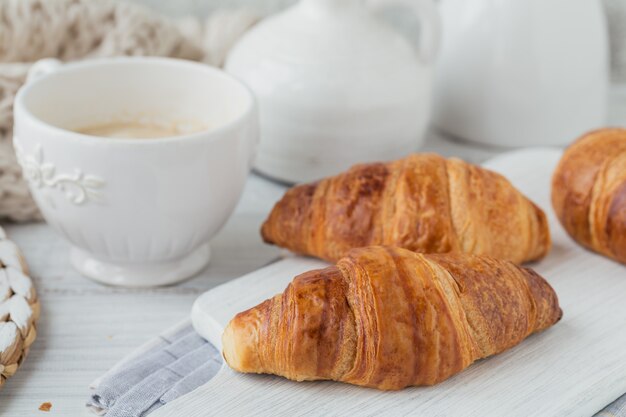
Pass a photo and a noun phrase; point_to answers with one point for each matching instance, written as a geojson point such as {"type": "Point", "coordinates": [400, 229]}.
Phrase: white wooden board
{"type": "Point", "coordinates": [573, 369]}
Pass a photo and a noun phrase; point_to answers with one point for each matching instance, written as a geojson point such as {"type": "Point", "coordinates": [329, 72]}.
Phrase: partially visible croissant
{"type": "Point", "coordinates": [424, 203]}
{"type": "Point", "coordinates": [589, 192]}
{"type": "Point", "coordinates": [389, 318]}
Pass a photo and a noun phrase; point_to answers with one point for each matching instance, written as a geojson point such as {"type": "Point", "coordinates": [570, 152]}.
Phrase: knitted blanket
{"type": "Point", "coordinates": [78, 29]}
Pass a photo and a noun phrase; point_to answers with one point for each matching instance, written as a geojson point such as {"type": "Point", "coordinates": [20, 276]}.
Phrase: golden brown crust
{"type": "Point", "coordinates": [589, 192]}
{"type": "Point", "coordinates": [424, 203]}
{"type": "Point", "coordinates": [389, 318]}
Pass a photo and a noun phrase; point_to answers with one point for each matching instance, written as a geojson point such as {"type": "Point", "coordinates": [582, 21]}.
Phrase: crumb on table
{"type": "Point", "coordinates": [45, 406]}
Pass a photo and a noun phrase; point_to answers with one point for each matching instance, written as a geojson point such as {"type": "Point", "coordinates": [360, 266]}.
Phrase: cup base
{"type": "Point", "coordinates": [140, 275]}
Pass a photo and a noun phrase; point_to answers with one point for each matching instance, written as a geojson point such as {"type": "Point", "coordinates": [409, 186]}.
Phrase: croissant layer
{"type": "Point", "coordinates": [589, 192]}
{"type": "Point", "coordinates": [424, 203]}
{"type": "Point", "coordinates": [389, 318]}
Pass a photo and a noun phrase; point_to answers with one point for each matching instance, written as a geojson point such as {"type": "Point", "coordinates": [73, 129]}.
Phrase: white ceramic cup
{"type": "Point", "coordinates": [137, 212]}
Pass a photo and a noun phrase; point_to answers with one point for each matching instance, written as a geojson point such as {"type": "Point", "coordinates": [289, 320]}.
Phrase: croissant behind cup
{"type": "Point", "coordinates": [389, 318]}
{"type": "Point", "coordinates": [423, 202]}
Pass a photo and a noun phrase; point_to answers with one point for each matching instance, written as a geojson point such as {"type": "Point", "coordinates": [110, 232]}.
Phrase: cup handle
{"type": "Point", "coordinates": [42, 67]}
{"type": "Point", "coordinates": [429, 19]}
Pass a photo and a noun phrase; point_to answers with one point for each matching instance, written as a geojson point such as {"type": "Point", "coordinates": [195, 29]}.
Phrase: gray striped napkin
{"type": "Point", "coordinates": [173, 364]}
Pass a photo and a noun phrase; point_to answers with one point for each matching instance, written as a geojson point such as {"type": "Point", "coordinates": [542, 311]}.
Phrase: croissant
{"type": "Point", "coordinates": [389, 318]}
{"type": "Point", "coordinates": [424, 203]}
{"type": "Point", "coordinates": [589, 192]}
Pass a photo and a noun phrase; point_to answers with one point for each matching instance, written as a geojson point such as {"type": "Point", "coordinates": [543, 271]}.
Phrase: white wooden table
{"type": "Point", "coordinates": [86, 327]}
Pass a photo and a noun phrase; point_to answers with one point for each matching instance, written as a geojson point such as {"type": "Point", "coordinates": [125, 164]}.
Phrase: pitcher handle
{"type": "Point", "coordinates": [430, 24]}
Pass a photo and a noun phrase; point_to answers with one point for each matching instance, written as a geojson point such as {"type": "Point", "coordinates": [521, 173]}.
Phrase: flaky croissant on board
{"type": "Point", "coordinates": [424, 203]}
{"type": "Point", "coordinates": [589, 192]}
{"type": "Point", "coordinates": [389, 318]}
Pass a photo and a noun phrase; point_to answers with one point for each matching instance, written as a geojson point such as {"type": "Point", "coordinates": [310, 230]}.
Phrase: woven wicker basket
{"type": "Point", "coordinates": [19, 309]}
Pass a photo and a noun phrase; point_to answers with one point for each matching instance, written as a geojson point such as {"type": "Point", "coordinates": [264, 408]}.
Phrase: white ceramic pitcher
{"type": "Point", "coordinates": [336, 85]}
{"type": "Point", "coordinates": [522, 72]}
